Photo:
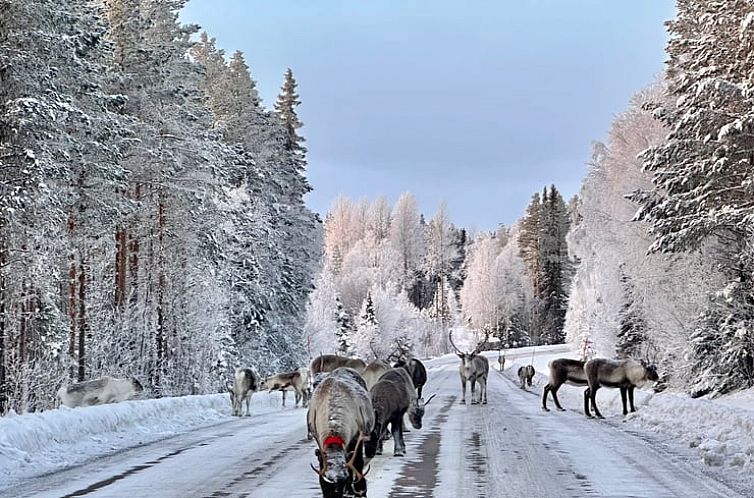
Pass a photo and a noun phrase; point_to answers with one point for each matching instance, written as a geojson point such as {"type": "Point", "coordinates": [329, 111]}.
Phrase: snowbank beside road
{"type": "Point", "coordinates": [722, 430]}
{"type": "Point", "coordinates": [38, 443]}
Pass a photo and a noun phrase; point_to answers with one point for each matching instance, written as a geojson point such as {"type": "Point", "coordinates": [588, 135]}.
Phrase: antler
{"type": "Point", "coordinates": [450, 338]}
{"type": "Point", "coordinates": [350, 465]}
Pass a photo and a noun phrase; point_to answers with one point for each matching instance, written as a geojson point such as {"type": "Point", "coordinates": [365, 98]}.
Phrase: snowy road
{"type": "Point", "coordinates": [509, 448]}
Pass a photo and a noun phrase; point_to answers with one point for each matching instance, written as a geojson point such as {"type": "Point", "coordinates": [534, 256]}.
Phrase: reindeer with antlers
{"type": "Point", "coordinates": [341, 418]}
{"type": "Point", "coordinates": [474, 368]}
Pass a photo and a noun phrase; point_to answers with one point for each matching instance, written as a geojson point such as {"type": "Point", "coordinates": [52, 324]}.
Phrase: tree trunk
{"type": "Point", "coordinates": [82, 321]}
{"type": "Point", "coordinates": [121, 255]}
{"type": "Point", "coordinates": [3, 298]}
{"type": "Point", "coordinates": [161, 284]}
{"type": "Point", "coordinates": [72, 304]}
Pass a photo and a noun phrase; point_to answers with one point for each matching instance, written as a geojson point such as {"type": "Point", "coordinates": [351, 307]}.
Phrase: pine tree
{"type": "Point", "coordinates": [529, 240]}
{"type": "Point", "coordinates": [632, 340]}
{"type": "Point", "coordinates": [345, 332]}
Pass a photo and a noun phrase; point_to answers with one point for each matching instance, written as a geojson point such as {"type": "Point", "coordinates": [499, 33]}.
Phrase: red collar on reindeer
{"type": "Point", "coordinates": [333, 439]}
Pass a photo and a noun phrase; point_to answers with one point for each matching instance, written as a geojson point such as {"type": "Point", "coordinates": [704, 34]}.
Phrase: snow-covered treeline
{"type": "Point", "coordinates": [389, 280]}
{"type": "Point", "coordinates": [151, 209]}
{"type": "Point", "coordinates": [518, 278]}
{"type": "Point", "coordinates": [665, 227]}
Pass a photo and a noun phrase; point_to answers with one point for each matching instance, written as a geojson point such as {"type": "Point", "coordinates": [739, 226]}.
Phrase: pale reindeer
{"type": "Point", "coordinates": [474, 368]}
{"type": "Point", "coordinates": [373, 372]}
{"type": "Point", "coordinates": [626, 375]}
{"type": "Point", "coordinates": [563, 371]}
{"type": "Point", "coordinates": [501, 360]}
{"type": "Point", "coordinates": [99, 392]}
{"type": "Point", "coordinates": [340, 418]}
{"type": "Point", "coordinates": [392, 398]}
{"type": "Point", "coordinates": [245, 383]}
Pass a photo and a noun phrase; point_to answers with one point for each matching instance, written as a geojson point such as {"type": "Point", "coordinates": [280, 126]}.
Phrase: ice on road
{"type": "Point", "coordinates": [508, 448]}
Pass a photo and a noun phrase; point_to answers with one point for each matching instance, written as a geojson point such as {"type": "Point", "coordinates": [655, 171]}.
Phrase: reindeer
{"type": "Point", "coordinates": [626, 375]}
{"type": "Point", "coordinates": [373, 372]}
{"type": "Point", "coordinates": [393, 397]}
{"type": "Point", "coordinates": [474, 368]}
{"type": "Point", "coordinates": [501, 360]}
{"type": "Point", "coordinates": [563, 371]}
{"type": "Point", "coordinates": [296, 380]}
{"type": "Point", "coordinates": [526, 375]}
{"type": "Point", "coordinates": [340, 418]}
{"type": "Point", "coordinates": [326, 363]}
{"type": "Point", "coordinates": [99, 392]}
{"type": "Point", "coordinates": [416, 371]}
{"type": "Point", "coordinates": [245, 383]}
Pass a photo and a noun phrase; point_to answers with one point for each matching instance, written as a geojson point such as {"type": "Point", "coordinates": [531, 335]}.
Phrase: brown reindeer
{"type": "Point", "coordinates": [625, 375]}
{"type": "Point", "coordinates": [563, 371]}
{"type": "Point", "coordinates": [392, 397]}
{"type": "Point", "coordinates": [340, 418]}
{"type": "Point", "coordinates": [296, 380]}
{"type": "Point", "coordinates": [474, 368]}
{"type": "Point", "coordinates": [326, 363]}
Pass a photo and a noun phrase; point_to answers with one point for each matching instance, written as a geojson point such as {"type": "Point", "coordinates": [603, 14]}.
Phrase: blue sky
{"type": "Point", "coordinates": [477, 102]}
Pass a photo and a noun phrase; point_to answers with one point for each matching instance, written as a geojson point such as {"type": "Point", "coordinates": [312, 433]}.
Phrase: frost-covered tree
{"type": "Point", "coordinates": [701, 193]}
{"type": "Point", "coordinates": [407, 237]}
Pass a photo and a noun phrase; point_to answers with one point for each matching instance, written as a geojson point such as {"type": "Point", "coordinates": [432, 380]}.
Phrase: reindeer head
{"type": "Point", "coordinates": [137, 385]}
{"type": "Point", "coordinates": [336, 475]}
{"type": "Point", "coordinates": [651, 371]}
{"type": "Point", "coordinates": [416, 411]}
{"type": "Point", "coordinates": [467, 359]}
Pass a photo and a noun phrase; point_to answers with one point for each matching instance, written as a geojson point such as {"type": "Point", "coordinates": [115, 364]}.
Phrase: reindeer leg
{"type": "Point", "coordinates": [283, 391]}
{"type": "Point", "coordinates": [248, 405]}
{"type": "Point", "coordinates": [544, 397]}
{"type": "Point", "coordinates": [419, 391]}
{"type": "Point", "coordinates": [586, 403]}
{"type": "Point", "coordinates": [399, 447]}
{"type": "Point", "coordinates": [484, 385]}
{"type": "Point", "coordinates": [593, 398]}
{"type": "Point", "coordinates": [463, 386]}
{"type": "Point", "coordinates": [474, 401]}
{"type": "Point", "coordinates": [631, 397]}
{"type": "Point", "coordinates": [623, 393]}
{"type": "Point", "coordinates": [555, 397]}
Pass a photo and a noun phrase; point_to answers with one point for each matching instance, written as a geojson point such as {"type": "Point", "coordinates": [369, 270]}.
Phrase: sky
{"type": "Point", "coordinates": [479, 102]}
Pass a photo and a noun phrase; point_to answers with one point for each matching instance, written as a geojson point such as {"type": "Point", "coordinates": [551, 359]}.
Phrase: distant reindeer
{"type": "Point", "coordinates": [373, 372]}
{"type": "Point", "coordinates": [474, 368]}
{"type": "Point", "coordinates": [501, 360]}
{"type": "Point", "coordinates": [526, 375]}
{"type": "Point", "coordinates": [99, 391]}
{"type": "Point", "coordinates": [245, 383]}
{"type": "Point", "coordinates": [296, 381]}
{"type": "Point", "coordinates": [563, 371]}
{"type": "Point", "coordinates": [626, 375]}
{"type": "Point", "coordinates": [416, 371]}
{"type": "Point", "coordinates": [392, 397]}
{"type": "Point", "coordinates": [340, 418]}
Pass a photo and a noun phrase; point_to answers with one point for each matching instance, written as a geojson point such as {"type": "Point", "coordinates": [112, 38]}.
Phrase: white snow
{"type": "Point", "coordinates": [722, 430]}
{"type": "Point", "coordinates": [38, 443]}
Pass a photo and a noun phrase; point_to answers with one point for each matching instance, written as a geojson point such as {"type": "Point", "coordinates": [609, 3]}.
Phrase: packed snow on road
{"type": "Point", "coordinates": [192, 446]}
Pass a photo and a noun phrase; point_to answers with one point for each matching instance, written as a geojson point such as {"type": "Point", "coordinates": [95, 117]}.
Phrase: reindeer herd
{"type": "Point", "coordinates": [353, 407]}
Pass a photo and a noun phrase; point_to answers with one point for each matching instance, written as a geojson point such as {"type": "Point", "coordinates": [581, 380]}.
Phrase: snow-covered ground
{"type": "Point", "coordinates": [721, 430]}
{"type": "Point", "coordinates": [39, 443]}
{"type": "Point", "coordinates": [507, 448]}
